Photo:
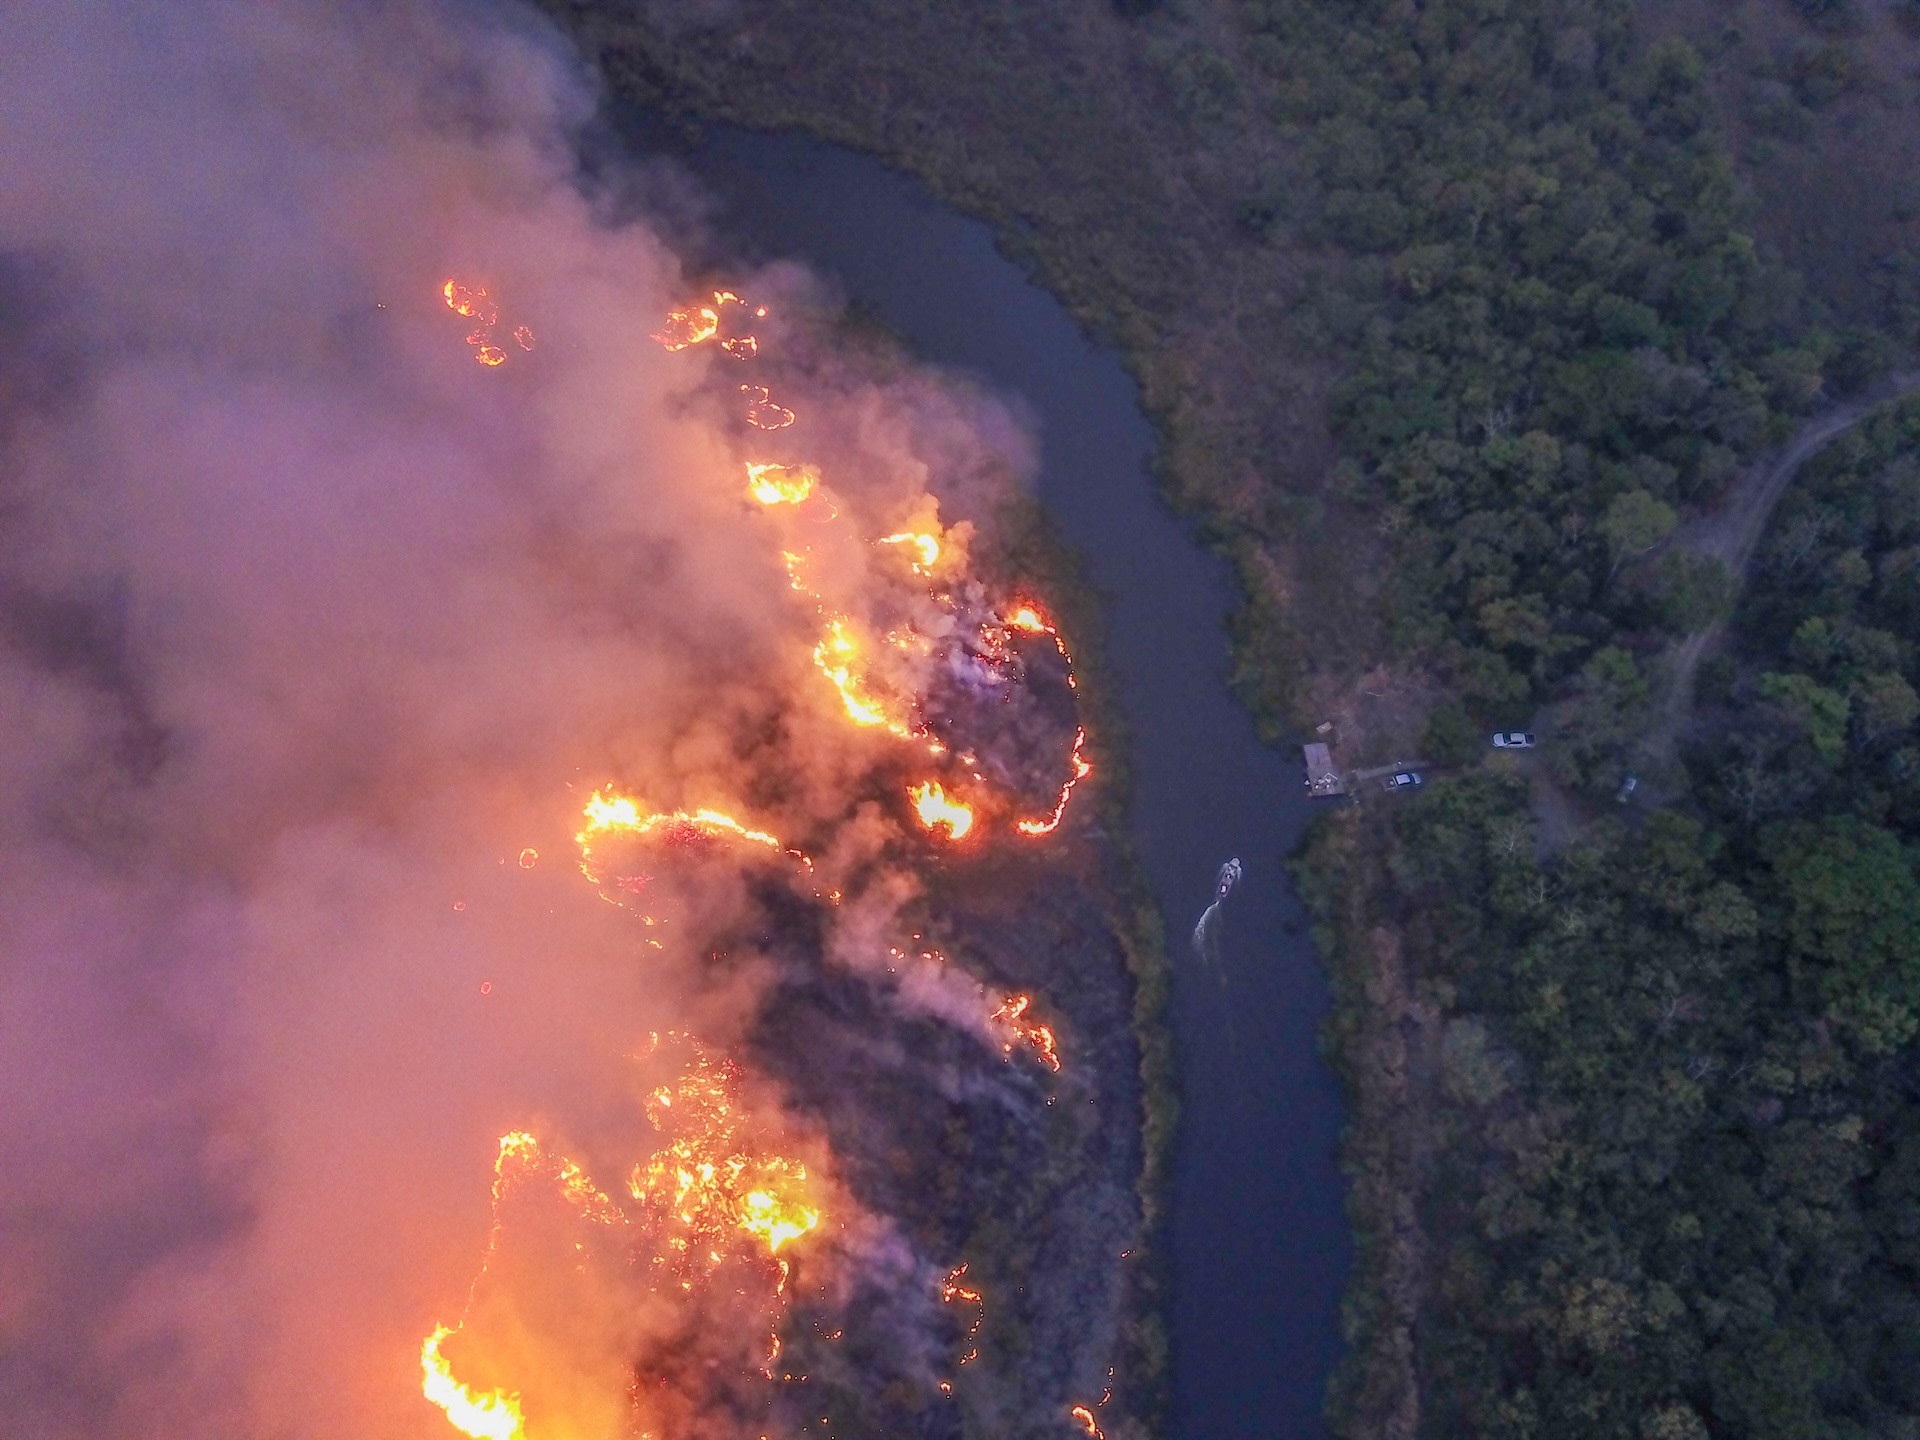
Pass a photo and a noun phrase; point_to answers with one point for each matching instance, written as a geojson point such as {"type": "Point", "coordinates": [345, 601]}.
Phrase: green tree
{"type": "Point", "coordinates": [1634, 522]}
{"type": "Point", "coordinates": [1852, 923]}
{"type": "Point", "coordinates": [1884, 705]}
{"type": "Point", "coordinates": [1818, 711]}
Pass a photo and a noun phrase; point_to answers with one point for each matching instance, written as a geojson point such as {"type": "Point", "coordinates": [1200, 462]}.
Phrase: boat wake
{"type": "Point", "coordinates": [1206, 944]}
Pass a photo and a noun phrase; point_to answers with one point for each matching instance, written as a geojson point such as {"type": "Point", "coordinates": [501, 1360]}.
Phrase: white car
{"type": "Point", "coordinates": [1512, 740]}
{"type": "Point", "coordinates": [1405, 780]}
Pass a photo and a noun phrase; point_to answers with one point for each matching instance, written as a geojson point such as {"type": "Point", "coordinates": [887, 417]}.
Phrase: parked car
{"type": "Point", "coordinates": [1512, 740]}
{"type": "Point", "coordinates": [1627, 787]}
{"type": "Point", "coordinates": [1402, 780]}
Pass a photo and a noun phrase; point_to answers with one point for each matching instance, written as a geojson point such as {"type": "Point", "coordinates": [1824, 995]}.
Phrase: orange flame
{"type": "Point", "coordinates": [706, 1181]}
{"type": "Point", "coordinates": [780, 484]}
{"type": "Point", "coordinates": [1081, 769]}
{"type": "Point", "coordinates": [1033, 621]}
{"type": "Point", "coordinates": [688, 327]}
{"type": "Point", "coordinates": [952, 1292]}
{"type": "Point", "coordinates": [762, 413]}
{"type": "Point", "coordinates": [927, 547]}
{"type": "Point", "coordinates": [706, 1191]}
{"type": "Point", "coordinates": [494, 1415]}
{"type": "Point", "coordinates": [1011, 1017]}
{"type": "Point", "coordinates": [622, 813]}
{"type": "Point", "coordinates": [935, 810]}
{"type": "Point", "coordinates": [474, 303]}
{"type": "Point", "coordinates": [698, 324]}
{"type": "Point", "coordinates": [835, 656]}
{"type": "Point", "coordinates": [1084, 1417]}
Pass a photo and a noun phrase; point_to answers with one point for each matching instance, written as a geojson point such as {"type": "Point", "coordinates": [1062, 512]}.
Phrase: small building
{"type": "Point", "coordinates": [1322, 778]}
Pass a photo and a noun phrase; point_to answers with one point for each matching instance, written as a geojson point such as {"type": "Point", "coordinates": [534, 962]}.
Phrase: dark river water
{"type": "Point", "coordinates": [1259, 1239]}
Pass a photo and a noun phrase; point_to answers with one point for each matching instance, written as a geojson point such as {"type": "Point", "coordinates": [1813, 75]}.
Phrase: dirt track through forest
{"type": "Point", "coordinates": [1731, 534]}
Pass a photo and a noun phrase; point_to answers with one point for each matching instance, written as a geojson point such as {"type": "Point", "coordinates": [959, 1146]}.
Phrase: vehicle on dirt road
{"type": "Point", "coordinates": [1404, 780]}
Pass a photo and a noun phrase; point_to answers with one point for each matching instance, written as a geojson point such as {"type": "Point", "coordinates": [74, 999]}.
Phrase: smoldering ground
{"type": "Point", "coordinates": [314, 638]}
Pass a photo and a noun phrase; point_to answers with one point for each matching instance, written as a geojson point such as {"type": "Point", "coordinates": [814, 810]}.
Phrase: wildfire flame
{"type": "Point", "coordinates": [936, 810]}
{"type": "Point", "coordinates": [685, 328]}
{"type": "Point", "coordinates": [699, 323]}
{"type": "Point", "coordinates": [953, 1292]}
{"type": "Point", "coordinates": [1081, 769]}
{"type": "Point", "coordinates": [707, 1181]}
{"type": "Point", "coordinates": [762, 413]}
{"type": "Point", "coordinates": [1011, 1018]}
{"type": "Point", "coordinates": [926, 546]}
{"type": "Point", "coordinates": [472, 302]}
{"type": "Point", "coordinates": [835, 656]}
{"type": "Point", "coordinates": [709, 1191]}
{"type": "Point", "coordinates": [495, 1414]}
{"type": "Point", "coordinates": [492, 1416]}
{"type": "Point", "coordinates": [621, 814]}
{"type": "Point", "coordinates": [781, 484]}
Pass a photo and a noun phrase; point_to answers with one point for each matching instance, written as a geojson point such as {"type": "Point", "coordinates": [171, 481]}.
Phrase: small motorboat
{"type": "Point", "coordinates": [1229, 877]}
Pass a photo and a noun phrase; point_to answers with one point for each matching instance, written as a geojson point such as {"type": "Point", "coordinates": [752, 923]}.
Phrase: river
{"type": "Point", "coordinates": [1259, 1241]}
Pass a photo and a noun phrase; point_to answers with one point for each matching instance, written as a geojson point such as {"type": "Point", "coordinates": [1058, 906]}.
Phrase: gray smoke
{"type": "Point", "coordinates": [309, 627]}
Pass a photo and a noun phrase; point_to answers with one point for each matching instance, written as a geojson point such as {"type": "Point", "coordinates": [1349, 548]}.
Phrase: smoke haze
{"type": "Point", "coordinates": [309, 627]}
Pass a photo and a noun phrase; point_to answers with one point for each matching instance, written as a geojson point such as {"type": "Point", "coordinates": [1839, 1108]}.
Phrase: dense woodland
{"type": "Point", "coordinates": [1492, 299]}
{"type": "Point", "coordinates": [1554, 327]}
{"type": "Point", "coordinates": [1675, 1185]}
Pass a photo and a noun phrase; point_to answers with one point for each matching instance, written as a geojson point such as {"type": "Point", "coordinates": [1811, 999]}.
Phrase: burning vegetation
{"type": "Point", "coordinates": [365, 563]}
{"type": "Point", "coordinates": [933, 679]}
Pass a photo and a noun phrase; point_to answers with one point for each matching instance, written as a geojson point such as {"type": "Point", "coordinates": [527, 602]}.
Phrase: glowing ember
{"type": "Point", "coordinates": [762, 413]}
{"type": "Point", "coordinates": [1011, 1018]}
{"type": "Point", "coordinates": [1081, 769]}
{"type": "Point", "coordinates": [708, 1182]}
{"type": "Point", "coordinates": [954, 1292]}
{"type": "Point", "coordinates": [529, 858]}
{"type": "Point", "coordinates": [472, 303]}
{"type": "Point", "coordinates": [781, 484]}
{"type": "Point", "coordinates": [475, 304]}
{"type": "Point", "coordinates": [492, 1416]}
{"type": "Point", "coordinates": [935, 810]}
{"type": "Point", "coordinates": [741, 347]}
{"type": "Point", "coordinates": [1084, 1418]}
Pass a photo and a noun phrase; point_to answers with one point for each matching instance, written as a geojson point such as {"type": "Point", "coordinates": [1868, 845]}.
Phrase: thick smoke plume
{"type": "Point", "coordinates": [316, 638]}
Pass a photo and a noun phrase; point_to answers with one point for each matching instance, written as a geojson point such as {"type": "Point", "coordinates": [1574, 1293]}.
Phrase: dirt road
{"type": "Point", "coordinates": [1731, 533]}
